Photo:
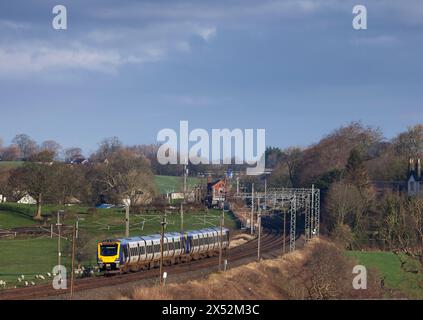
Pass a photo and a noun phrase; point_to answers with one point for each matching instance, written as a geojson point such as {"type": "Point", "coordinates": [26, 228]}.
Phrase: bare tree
{"type": "Point", "coordinates": [410, 143]}
{"type": "Point", "coordinates": [51, 146]}
{"type": "Point", "coordinates": [72, 154]}
{"type": "Point", "coordinates": [107, 147]}
{"type": "Point", "coordinates": [26, 145]}
{"type": "Point", "coordinates": [125, 176]}
{"type": "Point", "coordinates": [10, 153]}
{"type": "Point", "coordinates": [37, 180]}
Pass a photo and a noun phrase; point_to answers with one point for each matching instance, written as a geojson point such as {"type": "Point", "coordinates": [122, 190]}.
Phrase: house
{"type": "Point", "coordinates": [27, 200]}
{"type": "Point", "coordinates": [2, 198]}
{"type": "Point", "coordinates": [177, 196]}
{"type": "Point", "coordinates": [79, 161]}
{"type": "Point", "coordinates": [216, 191]}
{"type": "Point", "coordinates": [414, 180]}
{"type": "Point", "coordinates": [71, 201]}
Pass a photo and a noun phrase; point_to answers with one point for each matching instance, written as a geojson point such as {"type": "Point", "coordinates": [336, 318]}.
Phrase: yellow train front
{"type": "Point", "coordinates": [136, 253]}
{"type": "Point", "coordinates": [109, 255]}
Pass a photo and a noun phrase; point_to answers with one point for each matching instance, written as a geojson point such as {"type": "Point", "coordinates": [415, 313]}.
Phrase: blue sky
{"type": "Point", "coordinates": [125, 68]}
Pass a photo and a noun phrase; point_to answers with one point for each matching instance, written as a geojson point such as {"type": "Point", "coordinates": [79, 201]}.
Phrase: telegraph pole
{"type": "Point", "coordinates": [284, 231]}
{"type": "Point", "coordinates": [58, 224]}
{"type": "Point", "coordinates": [221, 239]}
{"type": "Point", "coordinates": [252, 209]}
{"type": "Point", "coordinates": [73, 259]}
{"type": "Point", "coordinates": [185, 177]}
{"type": "Point", "coordinates": [127, 221]}
{"type": "Point", "coordinates": [265, 193]}
{"type": "Point", "coordinates": [259, 230]}
{"type": "Point", "coordinates": [182, 217]}
{"type": "Point", "coordinates": [163, 225]}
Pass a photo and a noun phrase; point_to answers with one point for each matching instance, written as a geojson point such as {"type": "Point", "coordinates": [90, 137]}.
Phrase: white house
{"type": "Point", "coordinates": [2, 198]}
{"type": "Point", "coordinates": [27, 200]}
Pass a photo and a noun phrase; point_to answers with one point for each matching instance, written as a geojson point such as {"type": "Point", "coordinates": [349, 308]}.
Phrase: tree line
{"type": "Point", "coordinates": [114, 174]}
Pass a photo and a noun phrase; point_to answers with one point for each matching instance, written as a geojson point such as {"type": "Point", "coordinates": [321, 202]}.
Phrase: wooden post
{"type": "Point", "coordinates": [221, 240]}
{"type": "Point", "coordinates": [284, 232]}
{"type": "Point", "coordinates": [259, 230]}
{"type": "Point", "coordinates": [252, 209]}
{"type": "Point", "coordinates": [161, 249]}
{"type": "Point", "coordinates": [182, 217]}
{"type": "Point", "coordinates": [73, 260]}
{"type": "Point", "coordinates": [127, 221]}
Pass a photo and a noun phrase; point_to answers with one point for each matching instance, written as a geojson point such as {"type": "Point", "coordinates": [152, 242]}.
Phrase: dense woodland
{"type": "Point", "coordinates": [345, 165]}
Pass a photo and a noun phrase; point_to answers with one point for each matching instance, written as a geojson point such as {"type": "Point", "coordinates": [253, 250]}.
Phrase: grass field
{"type": "Point", "coordinates": [400, 271]}
{"type": "Point", "coordinates": [10, 164]}
{"type": "Point", "coordinates": [38, 254]}
{"type": "Point", "coordinates": [166, 184]}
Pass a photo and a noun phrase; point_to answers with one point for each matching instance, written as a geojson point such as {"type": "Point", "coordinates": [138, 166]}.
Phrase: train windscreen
{"type": "Point", "coordinates": [108, 249]}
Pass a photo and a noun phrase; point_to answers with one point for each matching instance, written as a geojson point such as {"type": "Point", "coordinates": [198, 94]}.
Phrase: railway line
{"type": "Point", "coordinates": [271, 241]}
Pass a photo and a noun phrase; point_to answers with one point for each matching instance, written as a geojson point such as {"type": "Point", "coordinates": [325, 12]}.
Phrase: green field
{"type": "Point", "coordinates": [401, 272]}
{"type": "Point", "coordinates": [10, 164]}
{"type": "Point", "coordinates": [166, 184]}
{"type": "Point", "coordinates": [30, 255]}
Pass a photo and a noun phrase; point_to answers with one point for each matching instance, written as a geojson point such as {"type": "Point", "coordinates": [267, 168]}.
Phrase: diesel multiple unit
{"type": "Point", "coordinates": [137, 253]}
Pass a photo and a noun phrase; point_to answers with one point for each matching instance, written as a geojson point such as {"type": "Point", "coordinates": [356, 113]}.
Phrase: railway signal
{"type": "Point", "coordinates": [73, 259]}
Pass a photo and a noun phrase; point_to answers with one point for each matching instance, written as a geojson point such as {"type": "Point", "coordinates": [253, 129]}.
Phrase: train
{"type": "Point", "coordinates": [144, 252]}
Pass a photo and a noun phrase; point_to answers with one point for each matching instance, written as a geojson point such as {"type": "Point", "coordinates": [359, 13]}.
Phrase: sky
{"type": "Point", "coordinates": [296, 68]}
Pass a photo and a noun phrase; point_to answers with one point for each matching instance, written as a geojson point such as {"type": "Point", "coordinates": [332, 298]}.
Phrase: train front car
{"type": "Point", "coordinates": [108, 255]}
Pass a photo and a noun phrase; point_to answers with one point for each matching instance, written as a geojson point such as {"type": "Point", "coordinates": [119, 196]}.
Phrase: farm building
{"type": "Point", "coordinates": [27, 200]}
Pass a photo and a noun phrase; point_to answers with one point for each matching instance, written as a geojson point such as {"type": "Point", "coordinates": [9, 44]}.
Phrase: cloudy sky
{"type": "Point", "coordinates": [126, 68]}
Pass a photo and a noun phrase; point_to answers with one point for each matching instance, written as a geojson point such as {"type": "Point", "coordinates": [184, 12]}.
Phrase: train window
{"type": "Point", "coordinates": [142, 250]}
{"type": "Point", "coordinates": [171, 246]}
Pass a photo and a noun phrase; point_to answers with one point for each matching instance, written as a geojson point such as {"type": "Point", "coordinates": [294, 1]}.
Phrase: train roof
{"type": "Point", "coordinates": [167, 235]}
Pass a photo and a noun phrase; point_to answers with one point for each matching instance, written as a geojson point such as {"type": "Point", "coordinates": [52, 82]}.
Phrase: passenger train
{"type": "Point", "coordinates": [138, 253]}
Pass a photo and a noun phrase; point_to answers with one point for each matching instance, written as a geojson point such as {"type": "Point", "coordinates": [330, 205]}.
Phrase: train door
{"type": "Point", "coordinates": [149, 250]}
{"type": "Point", "coordinates": [142, 251]}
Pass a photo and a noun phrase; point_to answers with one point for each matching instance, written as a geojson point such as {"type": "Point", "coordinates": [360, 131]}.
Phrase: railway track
{"type": "Point", "coordinates": [269, 242]}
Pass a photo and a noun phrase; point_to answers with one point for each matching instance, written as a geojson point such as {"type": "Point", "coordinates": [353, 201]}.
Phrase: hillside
{"type": "Point", "coordinates": [291, 276]}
